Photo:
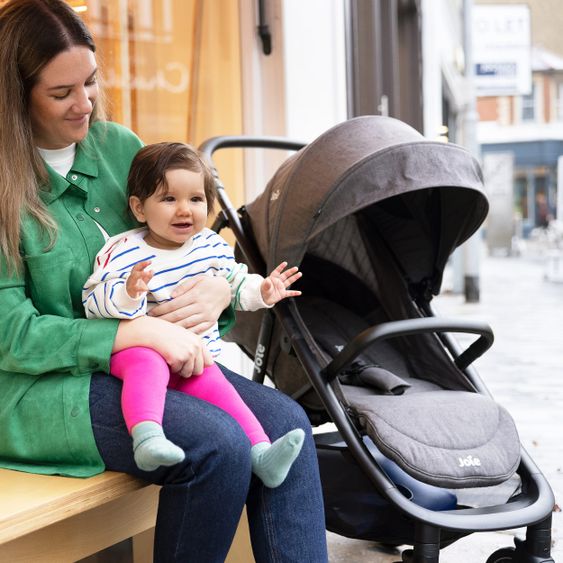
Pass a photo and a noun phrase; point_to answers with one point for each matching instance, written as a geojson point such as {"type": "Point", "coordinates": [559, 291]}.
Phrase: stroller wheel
{"type": "Point", "coordinates": [504, 555]}
{"type": "Point", "coordinates": [509, 555]}
{"type": "Point", "coordinates": [407, 556]}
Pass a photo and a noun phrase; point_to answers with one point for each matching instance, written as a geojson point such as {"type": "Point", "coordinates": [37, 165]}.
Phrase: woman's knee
{"type": "Point", "coordinates": [231, 444]}
{"type": "Point", "coordinates": [290, 412]}
{"type": "Point", "coordinates": [206, 433]}
{"type": "Point", "coordinates": [220, 458]}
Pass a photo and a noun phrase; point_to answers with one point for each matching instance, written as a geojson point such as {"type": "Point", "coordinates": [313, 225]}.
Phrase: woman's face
{"type": "Point", "coordinates": [61, 102]}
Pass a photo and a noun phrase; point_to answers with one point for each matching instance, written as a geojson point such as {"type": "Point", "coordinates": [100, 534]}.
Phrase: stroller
{"type": "Point", "coordinates": [422, 455]}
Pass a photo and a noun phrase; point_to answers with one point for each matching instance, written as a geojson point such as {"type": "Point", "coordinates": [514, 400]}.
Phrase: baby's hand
{"type": "Point", "coordinates": [137, 282]}
{"type": "Point", "coordinates": [274, 287]}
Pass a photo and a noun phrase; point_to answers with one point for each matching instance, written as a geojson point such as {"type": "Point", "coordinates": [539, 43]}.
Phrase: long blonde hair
{"type": "Point", "coordinates": [32, 33]}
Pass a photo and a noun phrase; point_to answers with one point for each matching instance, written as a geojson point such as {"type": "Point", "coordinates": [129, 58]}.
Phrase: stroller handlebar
{"type": "Point", "coordinates": [229, 215]}
{"type": "Point", "coordinates": [407, 327]}
{"type": "Point", "coordinates": [213, 144]}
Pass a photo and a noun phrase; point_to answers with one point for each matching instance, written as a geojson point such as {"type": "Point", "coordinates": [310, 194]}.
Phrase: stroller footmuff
{"type": "Point", "coordinates": [447, 439]}
{"type": "Point", "coordinates": [371, 212]}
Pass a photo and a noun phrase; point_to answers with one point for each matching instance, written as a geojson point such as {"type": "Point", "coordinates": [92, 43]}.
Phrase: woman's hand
{"type": "Point", "coordinates": [196, 304]}
{"type": "Point", "coordinates": [183, 350]}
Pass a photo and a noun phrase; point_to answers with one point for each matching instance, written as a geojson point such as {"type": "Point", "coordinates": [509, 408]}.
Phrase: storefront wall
{"type": "Point", "coordinates": [171, 70]}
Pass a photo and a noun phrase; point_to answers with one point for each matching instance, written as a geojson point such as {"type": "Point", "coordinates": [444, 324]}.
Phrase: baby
{"type": "Point", "coordinates": [171, 191]}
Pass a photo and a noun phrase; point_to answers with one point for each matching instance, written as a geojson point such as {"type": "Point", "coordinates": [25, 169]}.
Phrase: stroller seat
{"type": "Point", "coordinates": [453, 439]}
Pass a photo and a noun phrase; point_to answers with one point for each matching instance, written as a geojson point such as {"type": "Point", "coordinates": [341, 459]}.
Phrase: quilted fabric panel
{"type": "Point", "coordinates": [452, 439]}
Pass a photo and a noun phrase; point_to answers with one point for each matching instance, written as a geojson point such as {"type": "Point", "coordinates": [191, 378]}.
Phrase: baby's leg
{"type": "Point", "coordinates": [270, 462]}
{"type": "Point", "coordinates": [213, 387]}
{"type": "Point", "coordinates": [145, 375]}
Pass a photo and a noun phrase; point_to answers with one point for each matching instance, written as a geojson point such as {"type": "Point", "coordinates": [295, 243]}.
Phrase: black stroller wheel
{"type": "Point", "coordinates": [512, 555]}
{"type": "Point", "coordinates": [504, 555]}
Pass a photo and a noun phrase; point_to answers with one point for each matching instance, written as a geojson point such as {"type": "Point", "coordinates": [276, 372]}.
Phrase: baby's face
{"type": "Point", "coordinates": [174, 216]}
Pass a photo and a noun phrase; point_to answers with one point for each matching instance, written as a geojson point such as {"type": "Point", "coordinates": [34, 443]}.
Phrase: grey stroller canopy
{"type": "Point", "coordinates": [357, 164]}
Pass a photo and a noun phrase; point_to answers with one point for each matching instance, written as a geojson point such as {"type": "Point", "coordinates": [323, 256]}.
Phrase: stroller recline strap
{"type": "Point", "coordinates": [373, 375]}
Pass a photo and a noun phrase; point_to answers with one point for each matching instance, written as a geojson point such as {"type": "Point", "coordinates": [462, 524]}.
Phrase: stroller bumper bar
{"type": "Point", "coordinates": [413, 326]}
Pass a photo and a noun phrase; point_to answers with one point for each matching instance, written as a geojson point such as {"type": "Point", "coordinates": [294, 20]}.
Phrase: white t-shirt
{"type": "Point", "coordinates": [61, 161]}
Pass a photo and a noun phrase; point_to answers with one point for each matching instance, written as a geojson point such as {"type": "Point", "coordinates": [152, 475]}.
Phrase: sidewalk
{"type": "Point", "coordinates": [524, 372]}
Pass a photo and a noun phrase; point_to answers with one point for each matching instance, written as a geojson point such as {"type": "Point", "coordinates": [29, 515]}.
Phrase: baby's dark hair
{"type": "Point", "coordinates": [150, 165]}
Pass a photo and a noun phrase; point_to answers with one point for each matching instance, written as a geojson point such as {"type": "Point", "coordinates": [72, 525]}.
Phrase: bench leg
{"type": "Point", "coordinates": [143, 546]}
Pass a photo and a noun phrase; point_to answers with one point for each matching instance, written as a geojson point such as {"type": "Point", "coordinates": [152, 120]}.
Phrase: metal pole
{"type": "Point", "coordinates": [472, 248]}
{"type": "Point", "coordinates": [364, 57]}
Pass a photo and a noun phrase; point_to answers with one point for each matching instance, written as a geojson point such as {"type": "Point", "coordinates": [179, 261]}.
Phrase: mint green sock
{"type": "Point", "coordinates": [272, 462]}
{"type": "Point", "coordinates": [151, 449]}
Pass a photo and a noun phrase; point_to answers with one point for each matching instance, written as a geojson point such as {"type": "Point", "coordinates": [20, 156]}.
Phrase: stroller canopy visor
{"type": "Point", "coordinates": [434, 194]}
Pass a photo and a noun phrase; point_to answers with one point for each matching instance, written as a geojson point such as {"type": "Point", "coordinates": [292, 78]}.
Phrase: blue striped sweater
{"type": "Point", "coordinates": [104, 294]}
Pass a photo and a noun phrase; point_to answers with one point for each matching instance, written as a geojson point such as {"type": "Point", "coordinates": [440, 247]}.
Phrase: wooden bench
{"type": "Point", "coordinates": [47, 519]}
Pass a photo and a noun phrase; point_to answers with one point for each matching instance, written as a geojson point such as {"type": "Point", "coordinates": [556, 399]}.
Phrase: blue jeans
{"type": "Point", "coordinates": [202, 498]}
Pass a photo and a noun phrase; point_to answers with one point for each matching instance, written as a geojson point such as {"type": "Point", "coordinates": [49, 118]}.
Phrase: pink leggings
{"type": "Point", "coordinates": [146, 376]}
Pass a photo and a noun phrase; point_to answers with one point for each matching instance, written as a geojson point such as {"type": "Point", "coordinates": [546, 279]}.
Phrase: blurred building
{"type": "Point", "coordinates": [528, 128]}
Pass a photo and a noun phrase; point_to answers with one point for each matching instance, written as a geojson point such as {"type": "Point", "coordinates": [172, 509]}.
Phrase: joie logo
{"type": "Point", "coordinates": [469, 461]}
{"type": "Point", "coordinates": [259, 358]}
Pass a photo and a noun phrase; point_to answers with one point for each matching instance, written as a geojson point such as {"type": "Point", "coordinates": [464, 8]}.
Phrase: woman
{"type": "Point", "coordinates": [62, 186]}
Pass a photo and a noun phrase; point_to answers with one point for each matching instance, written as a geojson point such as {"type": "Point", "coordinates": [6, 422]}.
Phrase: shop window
{"type": "Point", "coordinates": [171, 71]}
{"type": "Point", "coordinates": [529, 105]}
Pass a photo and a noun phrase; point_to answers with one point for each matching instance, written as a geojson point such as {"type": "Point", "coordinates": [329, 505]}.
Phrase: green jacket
{"type": "Point", "coordinates": [48, 350]}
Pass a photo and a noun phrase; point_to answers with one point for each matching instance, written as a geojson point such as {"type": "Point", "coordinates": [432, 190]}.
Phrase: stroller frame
{"type": "Point", "coordinates": [531, 508]}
